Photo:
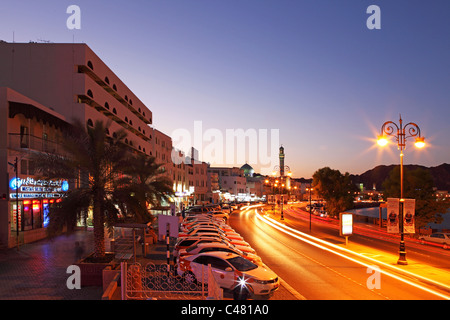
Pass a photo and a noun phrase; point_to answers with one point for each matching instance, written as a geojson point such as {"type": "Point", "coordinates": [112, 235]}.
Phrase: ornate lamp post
{"type": "Point", "coordinates": [309, 189]}
{"type": "Point", "coordinates": [403, 132]}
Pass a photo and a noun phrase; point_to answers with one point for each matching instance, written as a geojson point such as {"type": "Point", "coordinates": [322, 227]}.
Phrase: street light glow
{"type": "Point", "coordinates": [420, 142]}
{"type": "Point", "coordinates": [382, 141]}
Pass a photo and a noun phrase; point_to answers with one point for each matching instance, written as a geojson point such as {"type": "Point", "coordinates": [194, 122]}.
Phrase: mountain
{"type": "Point", "coordinates": [440, 174]}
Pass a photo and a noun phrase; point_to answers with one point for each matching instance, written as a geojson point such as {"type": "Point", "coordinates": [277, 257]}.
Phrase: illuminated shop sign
{"type": "Point", "coordinates": [30, 188]}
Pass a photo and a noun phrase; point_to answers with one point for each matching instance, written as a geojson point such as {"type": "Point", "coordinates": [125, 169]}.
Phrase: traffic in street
{"type": "Point", "coordinates": [319, 265]}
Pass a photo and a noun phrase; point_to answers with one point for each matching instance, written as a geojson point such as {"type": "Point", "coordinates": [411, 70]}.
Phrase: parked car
{"type": "Point", "coordinates": [438, 237]}
{"type": "Point", "coordinates": [231, 271]}
{"type": "Point", "coordinates": [219, 246]}
{"type": "Point", "coordinates": [198, 230]}
{"type": "Point", "coordinates": [204, 223]}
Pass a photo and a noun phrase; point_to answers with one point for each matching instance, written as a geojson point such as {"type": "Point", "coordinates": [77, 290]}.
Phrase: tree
{"type": "Point", "coordinates": [106, 179]}
{"type": "Point", "coordinates": [335, 188]}
{"type": "Point", "coordinates": [144, 183]}
{"type": "Point", "coordinates": [417, 184]}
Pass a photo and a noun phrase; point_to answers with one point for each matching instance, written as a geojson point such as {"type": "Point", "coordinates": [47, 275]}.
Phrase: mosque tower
{"type": "Point", "coordinates": [281, 155]}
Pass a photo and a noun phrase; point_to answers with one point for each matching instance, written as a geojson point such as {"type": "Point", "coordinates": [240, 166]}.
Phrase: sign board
{"type": "Point", "coordinates": [346, 223]}
{"type": "Point", "coordinates": [171, 221]}
{"type": "Point", "coordinates": [408, 216]}
{"type": "Point", "coordinates": [393, 211]}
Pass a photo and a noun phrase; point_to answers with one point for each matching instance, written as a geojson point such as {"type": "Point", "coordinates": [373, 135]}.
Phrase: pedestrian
{"type": "Point", "coordinates": [78, 251]}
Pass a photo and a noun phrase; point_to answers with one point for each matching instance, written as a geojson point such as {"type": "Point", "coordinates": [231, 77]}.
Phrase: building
{"type": "Point", "coordinates": [232, 183]}
{"type": "Point", "coordinates": [45, 87]}
{"type": "Point", "coordinates": [73, 81]}
{"type": "Point", "coordinates": [26, 127]}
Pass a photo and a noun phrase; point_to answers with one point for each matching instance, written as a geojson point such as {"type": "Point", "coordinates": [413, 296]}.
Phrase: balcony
{"type": "Point", "coordinates": [23, 142]}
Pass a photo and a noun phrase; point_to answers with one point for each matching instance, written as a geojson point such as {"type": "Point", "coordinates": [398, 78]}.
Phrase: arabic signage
{"type": "Point", "coordinates": [30, 188]}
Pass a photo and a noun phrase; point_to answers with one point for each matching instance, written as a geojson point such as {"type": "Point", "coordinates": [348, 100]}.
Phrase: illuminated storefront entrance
{"type": "Point", "coordinates": [33, 198]}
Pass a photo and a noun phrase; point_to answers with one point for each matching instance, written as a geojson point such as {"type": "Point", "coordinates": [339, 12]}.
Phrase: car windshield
{"type": "Point", "coordinates": [242, 264]}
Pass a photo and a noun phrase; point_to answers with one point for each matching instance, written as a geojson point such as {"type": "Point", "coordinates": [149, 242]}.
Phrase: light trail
{"type": "Point", "coordinates": [316, 242]}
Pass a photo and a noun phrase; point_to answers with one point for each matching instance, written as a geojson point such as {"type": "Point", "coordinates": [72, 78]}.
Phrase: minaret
{"type": "Point", "coordinates": [281, 155]}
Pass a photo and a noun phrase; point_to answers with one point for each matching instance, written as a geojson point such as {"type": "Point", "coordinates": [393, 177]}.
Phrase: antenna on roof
{"type": "Point", "coordinates": [44, 41]}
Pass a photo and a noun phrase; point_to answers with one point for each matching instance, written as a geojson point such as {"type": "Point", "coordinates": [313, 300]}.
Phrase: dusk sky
{"type": "Point", "coordinates": [310, 68]}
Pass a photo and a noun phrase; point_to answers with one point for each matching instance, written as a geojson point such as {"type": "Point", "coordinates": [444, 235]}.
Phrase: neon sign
{"type": "Point", "coordinates": [30, 188]}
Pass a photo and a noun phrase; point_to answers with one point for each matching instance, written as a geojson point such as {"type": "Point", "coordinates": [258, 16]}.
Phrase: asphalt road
{"type": "Point", "coordinates": [315, 273]}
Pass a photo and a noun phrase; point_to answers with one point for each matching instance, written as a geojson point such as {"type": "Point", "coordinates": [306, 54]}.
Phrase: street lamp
{"type": "Point", "coordinates": [410, 130]}
{"type": "Point", "coordinates": [309, 189]}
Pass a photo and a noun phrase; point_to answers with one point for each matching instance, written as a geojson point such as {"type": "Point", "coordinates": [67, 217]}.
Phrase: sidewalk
{"type": "Point", "coordinates": [37, 271]}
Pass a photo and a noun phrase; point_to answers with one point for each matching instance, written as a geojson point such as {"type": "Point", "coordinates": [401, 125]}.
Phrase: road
{"type": "Point", "coordinates": [317, 270]}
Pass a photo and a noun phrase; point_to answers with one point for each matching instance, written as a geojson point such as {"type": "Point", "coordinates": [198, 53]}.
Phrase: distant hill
{"type": "Point", "coordinates": [440, 174]}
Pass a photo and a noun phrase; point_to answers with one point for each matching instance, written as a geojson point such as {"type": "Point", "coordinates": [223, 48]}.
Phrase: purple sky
{"type": "Point", "coordinates": [311, 69]}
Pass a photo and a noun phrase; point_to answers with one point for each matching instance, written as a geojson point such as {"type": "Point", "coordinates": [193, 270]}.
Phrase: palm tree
{"type": "Point", "coordinates": [144, 183]}
{"type": "Point", "coordinates": [91, 161]}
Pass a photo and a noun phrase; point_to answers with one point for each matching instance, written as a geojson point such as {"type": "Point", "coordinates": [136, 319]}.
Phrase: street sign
{"type": "Point", "coordinates": [346, 223]}
{"type": "Point", "coordinates": [171, 221]}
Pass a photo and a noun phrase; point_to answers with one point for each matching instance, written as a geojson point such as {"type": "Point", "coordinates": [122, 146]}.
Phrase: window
{"type": "Point", "coordinates": [114, 111]}
{"type": "Point", "coordinates": [107, 80]}
{"type": "Point", "coordinates": [90, 94]}
{"type": "Point", "coordinates": [107, 105]}
{"type": "Point", "coordinates": [126, 97]}
{"type": "Point", "coordinates": [90, 123]}
{"type": "Point", "coordinates": [114, 87]}
{"type": "Point", "coordinates": [24, 137]}
{"type": "Point", "coordinates": [90, 65]}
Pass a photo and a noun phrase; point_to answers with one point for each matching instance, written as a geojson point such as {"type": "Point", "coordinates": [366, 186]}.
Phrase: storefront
{"type": "Point", "coordinates": [29, 203]}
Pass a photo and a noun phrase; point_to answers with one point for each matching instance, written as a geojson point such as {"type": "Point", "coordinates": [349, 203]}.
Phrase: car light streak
{"type": "Point", "coordinates": [315, 242]}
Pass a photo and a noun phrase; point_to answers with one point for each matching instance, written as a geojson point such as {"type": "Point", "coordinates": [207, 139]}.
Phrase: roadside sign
{"type": "Point", "coordinates": [346, 223]}
{"type": "Point", "coordinates": [171, 221]}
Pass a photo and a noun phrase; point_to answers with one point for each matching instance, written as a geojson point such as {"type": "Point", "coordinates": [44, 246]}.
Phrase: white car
{"type": "Point", "coordinates": [219, 246]}
{"type": "Point", "coordinates": [201, 224]}
{"type": "Point", "coordinates": [219, 236]}
{"type": "Point", "coordinates": [438, 237]}
{"type": "Point", "coordinates": [195, 231]}
{"type": "Point", "coordinates": [220, 215]}
{"type": "Point", "coordinates": [231, 271]}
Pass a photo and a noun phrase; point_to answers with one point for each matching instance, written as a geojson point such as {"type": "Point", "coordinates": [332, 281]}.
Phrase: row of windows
{"type": "Point", "coordinates": [128, 142]}
{"type": "Point", "coordinates": [91, 66]}
{"type": "Point", "coordinates": [114, 110]}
